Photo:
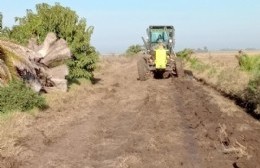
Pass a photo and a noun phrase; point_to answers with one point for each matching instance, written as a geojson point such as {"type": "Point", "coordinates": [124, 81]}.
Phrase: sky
{"type": "Point", "coordinates": [216, 24]}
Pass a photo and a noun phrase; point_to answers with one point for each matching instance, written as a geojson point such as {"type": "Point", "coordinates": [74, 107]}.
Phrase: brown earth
{"type": "Point", "coordinates": [120, 122]}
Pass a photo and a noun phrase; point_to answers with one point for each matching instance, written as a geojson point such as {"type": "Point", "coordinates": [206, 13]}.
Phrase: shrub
{"type": "Point", "coordinates": [253, 89]}
{"type": "Point", "coordinates": [251, 64]}
{"type": "Point", "coordinates": [185, 54]}
{"type": "Point", "coordinates": [133, 49]}
{"type": "Point", "coordinates": [252, 92]}
{"type": "Point", "coordinates": [248, 63]}
{"type": "Point", "coordinates": [16, 96]}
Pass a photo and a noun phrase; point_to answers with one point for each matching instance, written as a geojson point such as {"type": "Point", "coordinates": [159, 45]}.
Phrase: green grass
{"type": "Point", "coordinates": [18, 97]}
{"type": "Point", "coordinates": [243, 82]}
{"type": "Point", "coordinates": [253, 90]}
{"type": "Point", "coordinates": [197, 65]}
{"type": "Point", "coordinates": [185, 54]}
{"type": "Point", "coordinates": [249, 63]}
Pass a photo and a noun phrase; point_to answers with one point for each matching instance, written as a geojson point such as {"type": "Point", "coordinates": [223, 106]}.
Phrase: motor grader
{"type": "Point", "coordinates": [159, 59]}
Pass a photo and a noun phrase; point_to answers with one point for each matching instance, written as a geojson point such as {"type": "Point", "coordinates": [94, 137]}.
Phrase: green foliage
{"type": "Point", "coordinates": [185, 54]}
{"type": "Point", "coordinates": [67, 25]}
{"type": "Point", "coordinates": [254, 84]}
{"type": "Point", "coordinates": [80, 63]}
{"type": "Point", "coordinates": [5, 33]}
{"type": "Point", "coordinates": [198, 65]}
{"type": "Point", "coordinates": [252, 93]}
{"type": "Point", "coordinates": [251, 64]}
{"type": "Point", "coordinates": [134, 49]}
{"type": "Point", "coordinates": [16, 96]}
{"type": "Point", "coordinates": [254, 87]}
{"type": "Point", "coordinates": [248, 63]}
{"type": "Point", "coordinates": [194, 62]}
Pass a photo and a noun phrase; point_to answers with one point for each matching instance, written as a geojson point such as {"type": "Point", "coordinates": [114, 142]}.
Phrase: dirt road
{"type": "Point", "coordinates": [121, 122]}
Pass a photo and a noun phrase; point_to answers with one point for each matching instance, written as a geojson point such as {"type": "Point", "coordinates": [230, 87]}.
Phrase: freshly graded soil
{"type": "Point", "coordinates": [121, 122]}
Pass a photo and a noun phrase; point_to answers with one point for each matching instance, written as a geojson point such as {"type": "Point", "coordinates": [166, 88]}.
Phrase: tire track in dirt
{"type": "Point", "coordinates": [129, 123]}
{"type": "Point", "coordinates": [194, 107]}
{"type": "Point", "coordinates": [191, 145]}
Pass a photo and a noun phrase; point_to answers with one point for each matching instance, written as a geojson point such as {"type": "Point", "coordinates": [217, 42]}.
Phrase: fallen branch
{"type": "Point", "coordinates": [234, 148]}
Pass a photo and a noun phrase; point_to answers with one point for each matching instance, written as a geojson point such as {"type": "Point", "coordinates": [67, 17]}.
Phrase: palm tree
{"type": "Point", "coordinates": [11, 63]}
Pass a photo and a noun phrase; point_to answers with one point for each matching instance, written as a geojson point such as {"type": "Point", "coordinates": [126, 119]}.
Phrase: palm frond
{"type": "Point", "coordinates": [5, 75]}
{"type": "Point", "coordinates": [15, 56]}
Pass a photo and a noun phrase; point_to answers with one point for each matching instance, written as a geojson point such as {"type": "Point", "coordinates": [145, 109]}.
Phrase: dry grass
{"type": "Point", "coordinates": [222, 72]}
{"type": "Point", "coordinates": [230, 146]}
{"type": "Point", "coordinates": [12, 129]}
{"type": "Point", "coordinates": [16, 127]}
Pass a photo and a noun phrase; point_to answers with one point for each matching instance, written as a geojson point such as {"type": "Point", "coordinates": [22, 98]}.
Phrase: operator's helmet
{"type": "Point", "coordinates": [160, 45]}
